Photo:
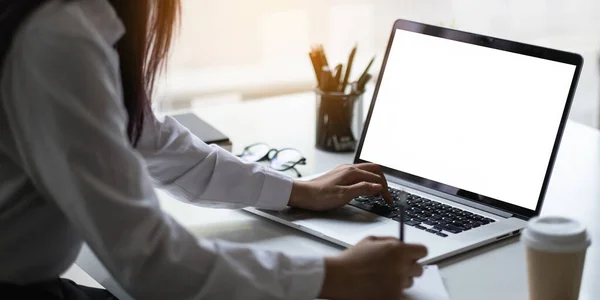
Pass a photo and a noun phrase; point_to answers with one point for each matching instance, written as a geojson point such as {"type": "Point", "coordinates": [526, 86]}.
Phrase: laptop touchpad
{"type": "Point", "coordinates": [345, 220]}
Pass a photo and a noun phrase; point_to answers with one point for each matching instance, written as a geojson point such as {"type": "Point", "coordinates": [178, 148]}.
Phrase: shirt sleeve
{"type": "Point", "coordinates": [63, 101]}
{"type": "Point", "coordinates": [206, 175]}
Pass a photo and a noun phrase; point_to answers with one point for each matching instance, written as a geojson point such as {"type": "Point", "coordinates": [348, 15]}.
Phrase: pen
{"type": "Point", "coordinates": [348, 68]}
{"type": "Point", "coordinates": [365, 73]}
{"type": "Point", "coordinates": [362, 82]}
{"type": "Point", "coordinates": [402, 200]}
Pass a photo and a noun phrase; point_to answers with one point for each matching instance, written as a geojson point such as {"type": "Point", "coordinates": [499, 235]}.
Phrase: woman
{"type": "Point", "coordinates": [80, 150]}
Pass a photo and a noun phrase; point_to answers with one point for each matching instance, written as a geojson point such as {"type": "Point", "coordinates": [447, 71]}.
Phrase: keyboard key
{"type": "Point", "coordinates": [365, 206]}
{"type": "Point", "coordinates": [455, 227]}
{"type": "Point", "coordinates": [418, 219]}
{"type": "Point", "coordinates": [411, 222]}
{"type": "Point", "coordinates": [490, 220]}
{"type": "Point", "coordinates": [428, 222]}
{"type": "Point", "coordinates": [382, 211]}
{"type": "Point", "coordinates": [432, 230]}
{"type": "Point", "coordinates": [457, 223]}
{"type": "Point", "coordinates": [448, 228]}
{"type": "Point", "coordinates": [390, 214]}
{"type": "Point", "coordinates": [441, 234]}
{"type": "Point", "coordinates": [420, 227]}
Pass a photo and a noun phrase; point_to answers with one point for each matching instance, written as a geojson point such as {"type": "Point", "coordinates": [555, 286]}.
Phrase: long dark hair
{"type": "Point", "coordinates": [143, 50]}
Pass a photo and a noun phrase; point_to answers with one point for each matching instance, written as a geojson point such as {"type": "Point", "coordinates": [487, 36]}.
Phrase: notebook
{"type": "Point", "coordinates": [428, 287]}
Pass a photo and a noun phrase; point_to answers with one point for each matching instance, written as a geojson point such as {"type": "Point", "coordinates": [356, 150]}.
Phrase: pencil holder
{"type": "Point", "coordinates": [335, 120]}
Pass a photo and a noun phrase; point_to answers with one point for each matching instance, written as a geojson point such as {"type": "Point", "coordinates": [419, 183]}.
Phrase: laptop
{"type": "Point", "coordinates": [466, 128]}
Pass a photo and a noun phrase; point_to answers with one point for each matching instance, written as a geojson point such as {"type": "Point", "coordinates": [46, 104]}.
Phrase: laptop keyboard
{"type": "Point", "coordinates": [422, 213]}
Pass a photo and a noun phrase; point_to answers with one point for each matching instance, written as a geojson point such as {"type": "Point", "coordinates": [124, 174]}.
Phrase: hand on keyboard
{"type": "Point", "coordinates": [339, 186]}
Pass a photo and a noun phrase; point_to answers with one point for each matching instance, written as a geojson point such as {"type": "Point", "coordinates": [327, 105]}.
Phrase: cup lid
{"type": "Point", "coordinates": [555, 234]}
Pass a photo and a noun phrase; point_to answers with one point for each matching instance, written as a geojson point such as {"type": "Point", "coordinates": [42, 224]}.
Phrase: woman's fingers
{"type": "Point", "coordinates": [414, 252]}
{"type": "Point", "coordinates": [356, 175]}
{"type": "Point", "coordinates": [408, 282]}
{"type": "Point", "coordinates": [415, 270]}
{"type": "Point", "coordinates": [368, 173]}
{"type": "Point", "coordinates": [361, 189]}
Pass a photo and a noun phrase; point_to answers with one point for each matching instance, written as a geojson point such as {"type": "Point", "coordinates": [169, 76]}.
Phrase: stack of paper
{"type": "Point", "coordinates": [428, 287]}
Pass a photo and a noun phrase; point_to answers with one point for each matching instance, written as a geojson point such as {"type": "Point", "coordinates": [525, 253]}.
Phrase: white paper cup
{"type": "Point", "coordinates": [556, 248]}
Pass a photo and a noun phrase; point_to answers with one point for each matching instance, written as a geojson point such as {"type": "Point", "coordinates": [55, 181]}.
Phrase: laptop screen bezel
{"type": "Point", "coordinates": [495, 43]}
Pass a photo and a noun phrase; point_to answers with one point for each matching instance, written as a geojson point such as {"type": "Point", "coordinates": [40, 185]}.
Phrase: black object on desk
{"type": "Point", "coordinates": [335, 118]}
{"type": "Point", "coordinates": [203, 130]}
{"type": "Point", "coordinates": [335, 101]}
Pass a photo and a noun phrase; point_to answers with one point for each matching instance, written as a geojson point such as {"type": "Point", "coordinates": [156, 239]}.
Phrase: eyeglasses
{"type": "Point", "coordinates": [281, 160]}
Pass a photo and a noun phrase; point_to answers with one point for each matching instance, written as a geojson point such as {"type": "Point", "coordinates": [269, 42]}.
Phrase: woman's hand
{"type": "Point", "coordinates": [338, 187]}
{"type": "Point", "coordinates": [376, 268]}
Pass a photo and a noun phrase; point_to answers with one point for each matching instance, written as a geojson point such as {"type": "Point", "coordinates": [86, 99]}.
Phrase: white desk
{"type": "Point", "coordinates": [494, 272]}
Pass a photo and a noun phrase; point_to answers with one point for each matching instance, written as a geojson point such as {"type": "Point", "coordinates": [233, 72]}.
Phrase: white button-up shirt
{"type": "Point", "coordinates": [68, 174]}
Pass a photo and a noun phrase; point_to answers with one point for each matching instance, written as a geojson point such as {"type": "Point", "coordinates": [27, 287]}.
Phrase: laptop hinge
{"type": "Point", "coordinates": [449, 197]}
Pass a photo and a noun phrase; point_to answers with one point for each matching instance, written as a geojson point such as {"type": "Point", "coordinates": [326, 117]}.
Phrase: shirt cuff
{"type": "Point", "coordinates": [276, 191]}
{"type": "Point", "coordinates": [308, 274]}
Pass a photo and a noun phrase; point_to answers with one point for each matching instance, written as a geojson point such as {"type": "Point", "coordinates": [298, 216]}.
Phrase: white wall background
{"type": "Point", "coordinates": [269, 39]}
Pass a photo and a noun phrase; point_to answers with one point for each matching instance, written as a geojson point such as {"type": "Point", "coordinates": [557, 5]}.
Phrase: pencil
{"type": "Point", "coordinates": [326, 78]}
{"type": "Point", "coordinates": [316, 67]}
{"type": "Point", "coordinates": [323, 56]}
{"type": "Point", "coordinates": [348, 68]}
{"type": "Point", "coordinates": [337, 77]}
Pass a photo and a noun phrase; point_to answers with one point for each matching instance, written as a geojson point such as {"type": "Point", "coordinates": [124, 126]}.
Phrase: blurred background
{"type": "Point", "coordinates": [239, 50]}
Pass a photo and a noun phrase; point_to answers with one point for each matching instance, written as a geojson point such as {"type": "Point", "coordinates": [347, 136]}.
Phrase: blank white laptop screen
{"type": "Point", "coordinates": [471, 117]}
